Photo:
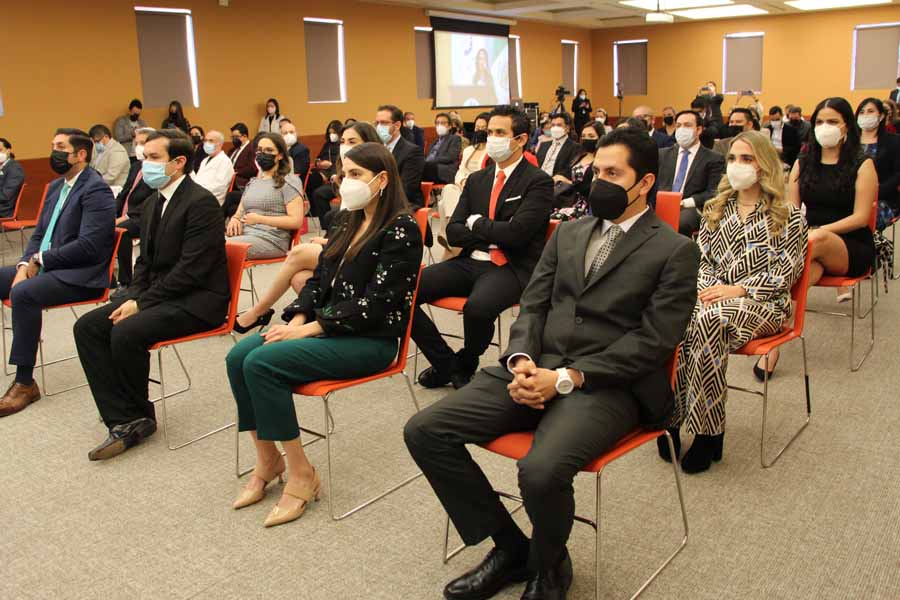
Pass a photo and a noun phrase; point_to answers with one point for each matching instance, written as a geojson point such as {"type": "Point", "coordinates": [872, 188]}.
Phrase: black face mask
{"type": "Point", "coordinates": [236, 141]}
{"type": "Point", "coordinates": [59, 162]}
{"type": "Point", "coordinates": [265, 161]}
{"type": "Point", "coordinates": [734, 130]}
{"type": "Point", "coordinates": [609, 200]}
{"type": "Point", "coordinates": [134, 117]}
{"type": "Point", "coordinates": [196, 139]}
{"type": "Point", "coordinates": [794, 122]}
{"type": "Point", "coordinates": [668, 120]}
{"type": "Point", "coordinates": [479, 137]}
{"type": "Point", "coordinates": [589, 145]}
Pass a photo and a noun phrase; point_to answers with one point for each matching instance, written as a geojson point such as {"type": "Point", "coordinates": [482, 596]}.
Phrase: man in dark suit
{"type": "Point", "coordinates": [297, 149]}
{"type": "Point", "coordinates": [442, 159]}
{"type": "Point", "coordinates": [739, 121]}
{"type": "Point", "coordinates": [180, 288]}
{"type": "Point", "coordinates": [413, 132]}
{"type": "Point", "coordinates": [785, 139]}
{"type": "Point", "coordinates": [605, 309]}
{"type": "Point", "coordinates": [129, 205]}
{"type": "Point", "coordinates": [410, 158]}
{"type": "Point", "coordinates": [500, 223]}
{"type": "Point", "coordinates": [12, 178]}
{"type": "Point", "coordinates": [895, 93]}
{"type": "Point", "coordinates": [556, 157]}
{"type": "Point", "coordinates": [801, 126]}
{"type": "Point", "coordinates": [66, 260]}
{"type": "Point", "coordinates": [243, 159]}
{"type": "Point", "coordinates": [690, 168]}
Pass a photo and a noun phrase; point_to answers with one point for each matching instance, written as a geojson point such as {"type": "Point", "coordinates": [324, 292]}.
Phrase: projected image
{"type": "Point", "coordinates": [470, 70]}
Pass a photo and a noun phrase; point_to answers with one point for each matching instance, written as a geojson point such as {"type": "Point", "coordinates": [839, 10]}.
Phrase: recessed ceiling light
{"type": "Point", "coordinates": [826, 4]}
{"type": "Point", "coordinates": [659, 17]}
{"type": "Point", "coordinates": [721, 12]}
{"type": "Point", "coordinates": [672, 4]}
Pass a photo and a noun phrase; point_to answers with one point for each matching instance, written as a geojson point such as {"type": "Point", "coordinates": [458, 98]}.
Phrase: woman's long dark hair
{"type": "Point", "coordinates": [879, 106]}
{"type": "Point", "coordinates": [374, 157]}
{"type": "Point", "coordinates": [179, 119]}
{"type": "Point", "coordinates": [338, 128]}
{"type": "Point", "coordinates": [277, 114]}
{"type": "Point", "coordinates": [367, 133]}
{"type": "Point", "coordinates": [851, 150]}
{"type": "Point", "coordinates": [284, 165]}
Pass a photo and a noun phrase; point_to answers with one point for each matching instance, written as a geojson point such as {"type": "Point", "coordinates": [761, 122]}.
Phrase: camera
{"type": "Point", "coordinates": [561, 93]}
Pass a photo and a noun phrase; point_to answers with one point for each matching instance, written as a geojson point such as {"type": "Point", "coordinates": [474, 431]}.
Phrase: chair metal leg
{"type": "Point", "coordinates": [856, 299]}
{"type": "Point", "coordinates": [254, 298]}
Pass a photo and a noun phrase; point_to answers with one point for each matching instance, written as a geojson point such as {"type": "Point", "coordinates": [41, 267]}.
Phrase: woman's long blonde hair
{"type": "Point", "coordinates": [771, 182]}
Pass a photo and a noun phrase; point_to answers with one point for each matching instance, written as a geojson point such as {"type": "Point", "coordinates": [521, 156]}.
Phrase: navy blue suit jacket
{"type": "Point", "coordinates": [82, 241]}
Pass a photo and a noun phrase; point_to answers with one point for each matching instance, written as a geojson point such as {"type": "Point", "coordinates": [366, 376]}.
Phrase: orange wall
{"type": "Point", "coordinates": [244, 55]}
{"type": "Point", "coordinates": [806, 58]}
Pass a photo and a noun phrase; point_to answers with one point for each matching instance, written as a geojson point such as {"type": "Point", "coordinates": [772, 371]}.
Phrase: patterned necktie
{"type": "Point", "coordinates": [497, 256]}
{"type": "Point", "coordinates": [48, 234]}
{"type": "Point", "coordinates": [612, 238]}
{"type": "Point", "coordinates": [682, 171]}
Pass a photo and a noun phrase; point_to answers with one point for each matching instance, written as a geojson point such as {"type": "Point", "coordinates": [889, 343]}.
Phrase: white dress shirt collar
{"type": "Point", "coordinates": [71, 182]}
{"type": "Point", "coordinates": [393, 143]}
{"type": "Point", "coordinates": [624, 225]}
{"type": "Point", "coordinates": [168, 191]}
{"type": "Point", "coordinates": [508, 171]}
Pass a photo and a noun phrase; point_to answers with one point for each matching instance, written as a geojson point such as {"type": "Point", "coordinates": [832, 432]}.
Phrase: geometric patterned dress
{"type": "Point", "coordinates": [742, 253]}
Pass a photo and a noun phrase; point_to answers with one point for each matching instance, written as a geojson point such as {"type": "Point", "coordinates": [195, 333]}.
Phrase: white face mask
{"type": "Point", "coordinates": [334, 138]}
{"type": "Point", "coordinates": [685, 136]}
{"type": "Point", "coordinates": [208, 147]}
{"type": "Point", "coordinates": [741, 176]}
{"type": "Point", "coordinates": [345, 148]}
{"type": "Point", "coordinates": [441, 130]}
{"type": "Point", "coordinates": [557, 132]}
{"type": "Point", "coordinates": [3, 157]}
{"type": "Point", "coordinates": [776, 123]}
{"type": "Point", "coordinates": [868, 122]}
{"type": "Point", "coordinates": [139, 152]}
{"type": "Point", "coordinates": [582, 96]}
{"type": "Point", "coordinates": [270, 110]}
{"type": "Point", "coordinates": [600, 120]}
{"type": "Point", "coordinates": [828, 135]}
{"type": "Point", "coordinates": [410, 124]}
{"type": "Point", "coordinates": [356, 194]}
{"type": "Point", "coordinates": [290, 139]}
{"type": "Point", "coordinates": [498, 148]}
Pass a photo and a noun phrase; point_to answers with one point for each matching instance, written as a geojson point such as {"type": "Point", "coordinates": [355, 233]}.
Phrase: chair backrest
{"type": "Point", "coordinates": [306, 178]}
{"type": "Point", "coordinates": [112, 260]}
{"type": "Point", "coordinates": [30, 211]}
{"type": "Point", "coordinates": [551, 227]}
{"type": "Point", "coordinates": [15, 214]}
{"type": "Point", "coordinates": [422, 220]}
{"type": "Point", "coordinates": [236, 254]}
{"type": "Point", "coordinates": [800, 290]}
{"type": "Point", "coordinates": [400, 361]}
{"type": "Point", "coordinates": [426, 192]}
{"type": "Point", "coordinates": [668, 207]}
{"type": "Point", "coordinates": [231, 185]}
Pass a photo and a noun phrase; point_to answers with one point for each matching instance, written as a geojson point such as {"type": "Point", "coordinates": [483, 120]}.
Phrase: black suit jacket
{"type": "Point", "coordinates": [895, 95]}
{"type": "Point", "coordinates": [790, 143]}
{"type": "Point", "coordinates": [621, 327]}
{"type": "Point", "coordinates": [519, 226]}
{"type": "Point", "coordinates": [564, 159]}
{"type": "Point", "coordinates": [887, 165]}
{"type": "Point", "coordinates": [702, 178]}
{"type": "Point", "coordinates": [448, 156]}
{"type": "Point", "coordinates": [140, 194]}
{"type": "Point", "coordinates": [411, 163]}
{"type": "Point", "coordinates": [245, 166]}
{"type": "Point", "coordinates": [300, 155]}
{"type": "Point", "coordinates": [12, 176]}
{"type": "Point", "coordinates": [182, 259]}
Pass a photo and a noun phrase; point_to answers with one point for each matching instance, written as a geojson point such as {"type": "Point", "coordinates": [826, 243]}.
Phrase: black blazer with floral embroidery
{"type": "Point", "coordinates": [370, 295]}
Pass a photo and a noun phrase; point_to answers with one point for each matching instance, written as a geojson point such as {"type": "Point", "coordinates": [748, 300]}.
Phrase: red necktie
{"type": "Point", "coordinates": [137, 180]}
{"type": "Point", "coordinates": [497, 256]}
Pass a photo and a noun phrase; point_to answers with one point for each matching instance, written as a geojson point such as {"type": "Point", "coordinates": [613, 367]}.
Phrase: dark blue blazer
{"type": "Point", "coordinates": [82, 241]}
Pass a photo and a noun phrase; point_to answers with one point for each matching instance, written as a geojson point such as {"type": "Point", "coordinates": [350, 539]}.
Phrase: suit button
{"type": "Point", "coordinates": [579, 320]}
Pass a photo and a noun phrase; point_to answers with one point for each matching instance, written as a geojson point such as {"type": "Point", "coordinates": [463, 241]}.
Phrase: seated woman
{"type": "Point", "coordinates": [883, 148]}
{"type": "Point", "coordinates": [473, 155]}
{"type": "Point", "coordinates": [352, 135]}
{"type": "Point", "coordinates": [345, 324]}
{"type": "Point", "coordinates": [271, 206]}
{"type": "Point", "coordinates": [324, 163]}
{"type": "Point", "coordinates": [752, 250]}
{"type": "Point", "coordinates": [303, 258]}
{"type": "Point", "coordinates": [571, 193]}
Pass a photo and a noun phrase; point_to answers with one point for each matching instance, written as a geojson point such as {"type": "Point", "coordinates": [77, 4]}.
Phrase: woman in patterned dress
{"type": "Point", "coordinates": [753, 245]}
{"type": "Point", "coordinates": [346, 323]}
{"type": "Point", "coordinates": [571, 204]}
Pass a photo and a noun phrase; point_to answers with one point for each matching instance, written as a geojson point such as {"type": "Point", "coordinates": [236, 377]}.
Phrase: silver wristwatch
{"type": "Point", "coordinates": [564, 383]}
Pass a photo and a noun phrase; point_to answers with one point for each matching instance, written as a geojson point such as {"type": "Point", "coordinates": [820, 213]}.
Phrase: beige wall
{"type": "Point", "coordinates": [244, 55]}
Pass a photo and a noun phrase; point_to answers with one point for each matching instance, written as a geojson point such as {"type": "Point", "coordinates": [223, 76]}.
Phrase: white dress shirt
{"type": "Point", "coordinates": [692, 154]}
{"type": "Point", "coordinates": [393, 144]}
{"type": "Point", "coordinates": [470, 222]}
{"type": "Point", "coordinates": [215, 174]}
{"type": "Point", "coordinates": [552, 153]}
{"type": "Point", "coordinates": [168, 191]}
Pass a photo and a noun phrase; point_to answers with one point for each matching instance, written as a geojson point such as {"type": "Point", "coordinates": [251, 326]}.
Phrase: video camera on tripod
{"type": "Point", "coordinates": [561, 93]}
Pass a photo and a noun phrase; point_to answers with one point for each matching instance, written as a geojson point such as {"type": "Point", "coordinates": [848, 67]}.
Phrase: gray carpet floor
{"type": "Point", "coordinates": [153, 523]}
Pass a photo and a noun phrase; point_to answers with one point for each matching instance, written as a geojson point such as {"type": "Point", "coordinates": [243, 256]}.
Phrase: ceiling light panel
{"type": "Point", "coordinates": [673, 4]}
{"type": "Point", "coordinates": [721, 12]}
{"type": "Point", "coordinates": [826, 4]}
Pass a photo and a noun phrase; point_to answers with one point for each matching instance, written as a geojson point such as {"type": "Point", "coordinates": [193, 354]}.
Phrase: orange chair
{"type": "Point", "coordinates": [25, 217]}
{"type": "Point", "coordinates": [250, 264]}
{"type": "Point", "coordinates": [236, 253]}
{"type": "Point", "coordinates": [668, 207]}
{"type": "Point", "coordinates": [765, 346]}
{"type": "Point", "coordinates": [854, 284]}
{"type": "Point", "coordinates": [231, 185]}
{"type": "Point", "coordinates": [16, 206]}
{"type": "Point", "coordinates": [517, 445]}
{"type": "Point", "coordinates": [71, 306]}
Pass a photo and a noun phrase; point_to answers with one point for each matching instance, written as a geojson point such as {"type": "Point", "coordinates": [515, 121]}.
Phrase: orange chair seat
{"type": "Point", "coordinates": [764, 345]}
{"type": "Point", "coordinates": [19, 224]}
{"type": "Point", "coordinates": [837, 281]}
{"type": "Point", "coordinates": [516, 446]}
{"type": "Point", "coordinates": [222, 330]}
{"type": "Point", "coordinates": [450, 303]}
{"type": "Point", "coordinates": [248, 264]}
{"type": "Point", "coordinates": [98, 300]}
{"type": "Point", "coordinates": [327, 386]}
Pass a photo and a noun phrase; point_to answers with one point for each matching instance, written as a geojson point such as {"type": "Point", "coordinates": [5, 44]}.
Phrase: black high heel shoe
{"type": "Point", "coordinates": [262, 321]}
{"type": "Point", "coordinates": [704, 450]}
{"type": "Point", "coordinates": [761, 373]}
{"type": "Point", "coordinates": [662, 445]}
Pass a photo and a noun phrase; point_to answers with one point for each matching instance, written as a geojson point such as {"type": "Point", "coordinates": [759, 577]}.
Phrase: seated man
{"type": "Point", "coordinates": [500, 223]}
{"type": "Point", "coordinates": [556, 157]}
{"type": "Point", "coordinates": [216, 171]}
{"type": "Point", "coordinates": [12, 178]}
{"type": "Point", "coordinates": [243, 159]}
{"type": "Point", "coordinates": [410, 158]}
{"type": "Point", "coordinates": [129, 204]}
{"type": "Point", "coordinates": [690, 168]}
{"type": "Point", "coordinates": [180, 288]}
{"type": "Point", "coordinates": [740, 120]}
{"type": "Point", "coordinates": [110, 157]}
{"type": "Point", "coordinates": [416, 134]}
{"type": "Point", "coordinates": [443, 156]}
{"type": "Point", "coordinates": [586, 364]}
{"type": "Point", "coordinates": [786, 139]}
{"type": "Point", "coordinates": [297, 149]}
{"type": "Point", "coordinates": [67, 258]}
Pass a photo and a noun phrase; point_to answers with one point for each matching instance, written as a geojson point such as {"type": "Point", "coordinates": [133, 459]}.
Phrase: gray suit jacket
{"type": "Point", "coordinates": [620, 328]}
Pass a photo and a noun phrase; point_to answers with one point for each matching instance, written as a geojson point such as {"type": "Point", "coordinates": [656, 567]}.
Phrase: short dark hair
{"type": "Point", "coordinates": [520, 122]}
{"type": "Point", "coordinates": [775, 110]}
{"type": "Point", "coordinates": [691, 112]}
{"type": "Point", "coordinates": [743, 111]}
{"type": "Point", "coordinates": [795, 109]}
{"type": "Point", "coordinates": [241, 128]}
{"type": "Point", "coordinates": [396, 113]}
{"type": "Point", "coordinates": [99, 130]}
{"type": "Point", "coordinates": [445, 115]}
{"type": "Point", "coordinates": [135, 104]}
{"type": "Point", "coordinates": [564, 116]}
{"type": "Point", "coordinates": [179, 144]}
{"type": "Point", "coordinates": [636, 123]}
{"type": "Point", "coordinates": [699, 103]}
{"type": "Point", "coordinates": [79, 140]}
{"type": "Point", "coordinates": [643, 153]}
{"type": "Point", "coordinates": [6, 144]}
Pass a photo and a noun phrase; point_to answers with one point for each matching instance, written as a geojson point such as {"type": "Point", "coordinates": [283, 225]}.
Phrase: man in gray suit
{"type": "Point", "coordinates": [605, 309]}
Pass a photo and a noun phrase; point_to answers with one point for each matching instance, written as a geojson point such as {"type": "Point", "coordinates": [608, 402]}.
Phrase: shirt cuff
{"type": "Point", "coordinates": [512, 359]}
{"type": "Point", "coordinates": [470, 222]}
{"type": "Point", "coordinates": [688, 203]}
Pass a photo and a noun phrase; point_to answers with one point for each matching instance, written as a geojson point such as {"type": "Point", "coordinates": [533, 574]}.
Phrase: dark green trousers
{"type": "Point", "coordinates": [262, 376]}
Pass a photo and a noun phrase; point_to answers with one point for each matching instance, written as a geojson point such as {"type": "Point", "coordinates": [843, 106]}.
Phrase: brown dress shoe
{"type": "Point", "coordinates": [18, 397]}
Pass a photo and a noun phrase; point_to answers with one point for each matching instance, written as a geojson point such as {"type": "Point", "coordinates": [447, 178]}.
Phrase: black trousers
{"type": "Point", "coordinates": [569, 433]}
{"type": "Point", "coordinates": [116, 358]}
{"type": "Point", "coordinates": [490, 290]}
{"type": "Point", "coordinates": [28, 301]}
{"type": "Point", "coordinates": [320, 201]}
{"type": "Point", "coordinates": [431, 173]}
{"type": "Point", "coordinates": [231, 203]}
{"type": "Point", "coordinates": [132, 229]}
{"type": "Point", "coordinates": [688, 222]}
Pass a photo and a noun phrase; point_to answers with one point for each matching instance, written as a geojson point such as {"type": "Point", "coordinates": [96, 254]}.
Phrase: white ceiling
{"type": "Point", "coordinates": [590, 14]}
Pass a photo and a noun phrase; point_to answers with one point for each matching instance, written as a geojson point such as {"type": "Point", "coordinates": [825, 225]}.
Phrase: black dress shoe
{"type": "Point", "coordinates": [460, 379]}
{"type": "Point", "coordinates": [498, 569]}
{"type": "Point", "coordinates": [432, 378]}
{"type": "Point", "coordinates": [553, 584]}
{"type": "Point", "coordinates": [663, 445]}
{"type": "Point", "coordinates": [122, 437]}
{"type": "Point", "coordinates": [261, 321]}
{"type": "Point", "coordinates": [704, 450]}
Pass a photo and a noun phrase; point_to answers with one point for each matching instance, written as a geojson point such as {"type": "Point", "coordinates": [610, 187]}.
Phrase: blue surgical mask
{"type": "Point", "coordinates": [384, 132]}
{"type": "Point", "coordinates": [209, 147]}
{"type": "Point", "coordinates": [99, 147]}
{"type": "Point", "coordinates": [154, 174]}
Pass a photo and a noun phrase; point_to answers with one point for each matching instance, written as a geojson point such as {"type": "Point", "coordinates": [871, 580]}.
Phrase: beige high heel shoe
{"type": "Point", "coordinates": [249, 497]}
{"type": "Point", "coordinates": [301, 491]}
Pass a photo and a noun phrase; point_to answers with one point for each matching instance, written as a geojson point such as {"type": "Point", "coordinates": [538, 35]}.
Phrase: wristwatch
{"type": "Point", "coordinates": [36, 258]}
{"type": "Point", "coordinates": [564, 383]}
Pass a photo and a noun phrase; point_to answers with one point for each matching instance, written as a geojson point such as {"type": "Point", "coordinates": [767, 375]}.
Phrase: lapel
{"type": "Point", "coordinates": [640, 232]}
{"type": "Point", "coordinates": [582, 237]}
{"type": "Point", "coordinates": [174, 204]}
{"type": "Point", "coordinates": [509, 187]}
{"type": "Point", "coordinates": [695, 166]}
{"type": "Point", "coordinates": [70, 199]}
